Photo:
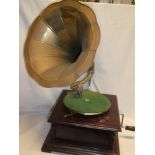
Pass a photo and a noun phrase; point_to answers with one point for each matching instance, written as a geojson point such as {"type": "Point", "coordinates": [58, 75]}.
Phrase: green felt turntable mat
{"type": "Point", "coordinates": [90, 102]}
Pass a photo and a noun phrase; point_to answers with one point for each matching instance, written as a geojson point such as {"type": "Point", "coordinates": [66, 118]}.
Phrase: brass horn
{"type": "Point", "coordinates": [60, 47]}
{"type": "Point", "coordinates": [61, 43]}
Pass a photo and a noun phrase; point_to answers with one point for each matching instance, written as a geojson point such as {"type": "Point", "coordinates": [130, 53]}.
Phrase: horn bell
{"type": "Point", "coordinates": [61, 44]}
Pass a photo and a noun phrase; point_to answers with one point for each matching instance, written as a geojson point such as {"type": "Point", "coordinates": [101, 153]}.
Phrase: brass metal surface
{"type": "Point", "coordinates": [61, 43]}
{"type": "Point", "coordinates": [77, 86]}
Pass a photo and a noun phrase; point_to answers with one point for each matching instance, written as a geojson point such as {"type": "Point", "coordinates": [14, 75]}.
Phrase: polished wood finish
{"type": "Point", "coordinates": [83, 135]}
{"type": "Point", "coordinates": [109, 120]}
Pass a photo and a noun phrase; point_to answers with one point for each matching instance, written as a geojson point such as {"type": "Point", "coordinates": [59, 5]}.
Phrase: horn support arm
{"type": "Point", "coordinates": [77, 86]}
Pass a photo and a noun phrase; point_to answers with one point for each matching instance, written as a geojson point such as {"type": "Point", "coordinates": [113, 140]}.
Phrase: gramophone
{"type": "Point", "coordinates": [60, 48]}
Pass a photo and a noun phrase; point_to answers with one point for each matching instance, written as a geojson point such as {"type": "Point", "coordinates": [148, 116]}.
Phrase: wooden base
{"type": "Point", "coordinates": [83, 135]}
{"type": "Point", "coordinates": [53, 144]}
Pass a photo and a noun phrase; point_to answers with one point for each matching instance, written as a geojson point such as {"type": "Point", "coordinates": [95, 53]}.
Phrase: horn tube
{"type": "Point", "coordinates": [61, 43]}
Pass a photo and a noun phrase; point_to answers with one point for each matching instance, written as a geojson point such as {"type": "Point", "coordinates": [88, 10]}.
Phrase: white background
{"type": "Point", "coordinates": [145, 76]}
{"type": "Point", "coordinates": [114, 61]}
{"type": "Point", "coordinates": [114, 73]}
